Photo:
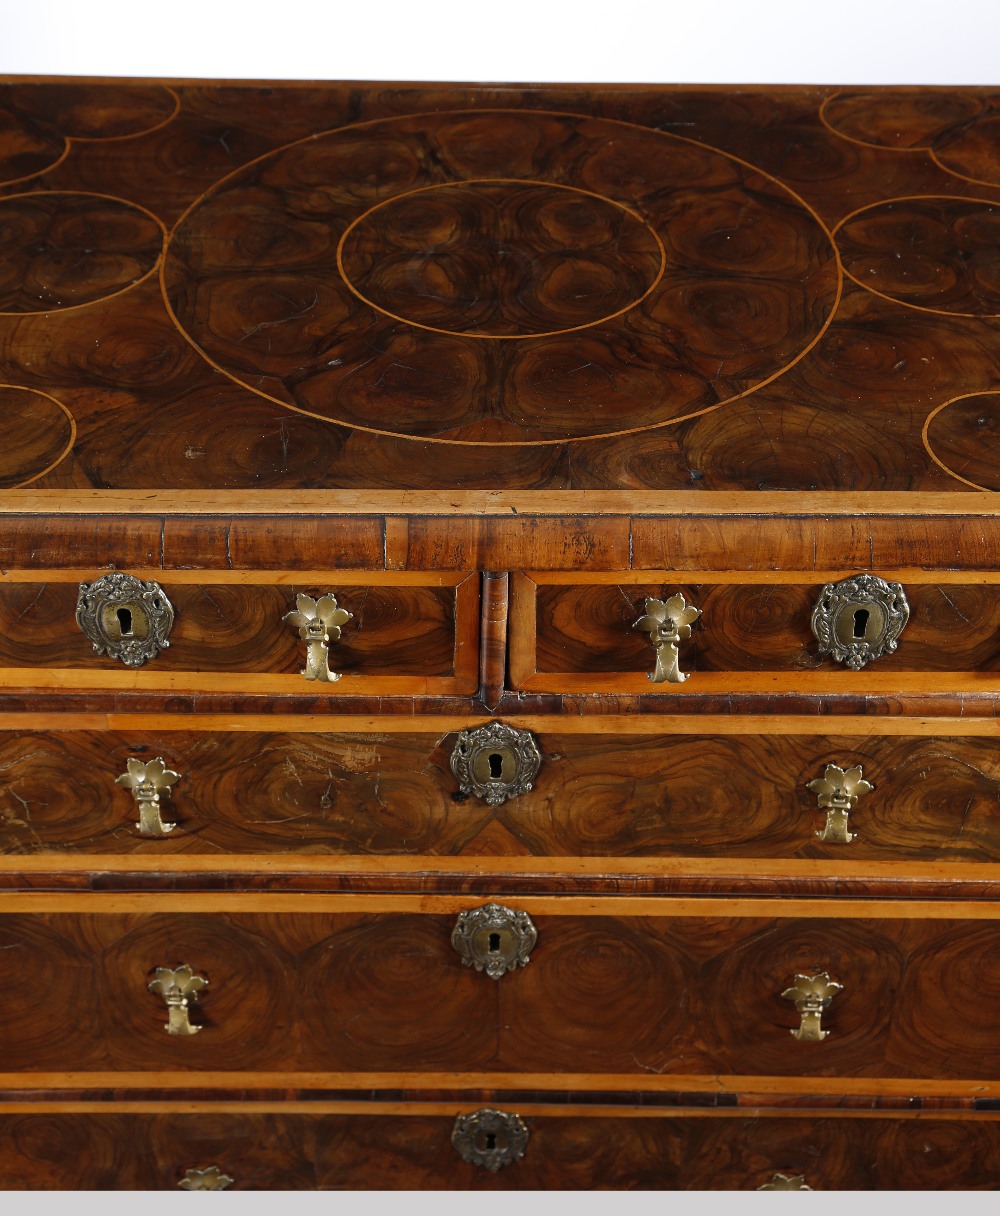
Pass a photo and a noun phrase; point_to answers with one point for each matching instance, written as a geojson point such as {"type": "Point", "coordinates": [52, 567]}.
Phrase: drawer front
{"type": "Point", "coordinates": [408, 634]}
{"type": "Point", "coordinates": [703, 993]}
{"type": "Point", "coordinates": [402, 1150]}
{"type": "Point", "coordinates": [387, 789]}
{"type": "Point", "coordinates": [574, 634]}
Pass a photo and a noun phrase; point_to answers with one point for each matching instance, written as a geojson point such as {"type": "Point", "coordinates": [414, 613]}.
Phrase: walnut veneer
{"type": "Point", "coordinates": [494, 365]}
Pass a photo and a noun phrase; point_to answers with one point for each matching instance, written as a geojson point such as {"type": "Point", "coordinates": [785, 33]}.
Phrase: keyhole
{"type": "Point", "coordinates": [491, 1141]}
{"type": "Point", "coordinates": [496, 765]}
{"type": "Point", "coordinates": [861, 616]}
{"type": "Point", "coordinates": [494, 942]}
{"type": "Point", "coordinates": [124, 616]}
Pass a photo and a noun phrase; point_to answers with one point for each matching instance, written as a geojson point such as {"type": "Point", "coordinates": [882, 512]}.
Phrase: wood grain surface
{"type": "Point", "coordinates": [464, 530]}
{"type": "Point", "coordinates": [696, 993]}
{"type": "Point", "coordinates": [275, 1151]}
{"type": "Point", "coordinates": [766, 627]}
{"type": "Point", "coordinates": [239, 628]}
{"type": "Point", "coordinates": [374, 792]}
{"type": "Point", "coordinates": [667, 306]}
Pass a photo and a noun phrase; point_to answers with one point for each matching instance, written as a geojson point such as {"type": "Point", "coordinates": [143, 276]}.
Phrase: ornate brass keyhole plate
{"type": "Point", "coordinates": [860, 619]}
{"type": "Point", "coordinates": [494, 939]}
{"type": "Point", "coordinates": [125, 618]}
{"type": "Point", "coordinates": [490, 1138]}
{"type": "Point", "coordinates": [495, 762]}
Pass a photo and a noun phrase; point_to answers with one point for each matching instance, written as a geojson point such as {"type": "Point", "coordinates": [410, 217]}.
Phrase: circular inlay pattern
{"type": "Point", "coordinates": [26, 147]}
{"type": "Point", "coordinates": [960, 132]}
{"type": "Point", "coordinates": [903, 118]}
{"type": "Point", "coordinates": [971, 151]}
{"type": "Point", "coordinates": [61, 250]}
{"type": "Point", "coordinates": [500, 277]}
{"type": "Point", "coordinates": [91, 111]}
{"type": "Point", "coordinates": [939, 254]}
{"type": "Point", "coordinates": [963, 436]}
{"type": "Point", "coordinates": [554, 258]}
{"type": "Point", "coordinates": [36, 432]}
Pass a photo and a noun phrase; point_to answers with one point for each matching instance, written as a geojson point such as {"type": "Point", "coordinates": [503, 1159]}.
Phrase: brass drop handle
{"type": "Point", "coordinates": [811, 994]}
{"type": "Point", "coordinates": [211, 1178]}
{"type": "Point", "coordinates": [494, 939]}
{"type": "Point", "coordinates": [668, 623]}
{"type": "Point", "coordinates": [786, 1182]}
{"type": "Point", "coordinates": [179, 988]}
{"type": "Point", "coordinates": [319, 623]}
{"type": "Point", "coordinates": [837, 791]}
{"type": "Point", "coordinates": [148, 780]}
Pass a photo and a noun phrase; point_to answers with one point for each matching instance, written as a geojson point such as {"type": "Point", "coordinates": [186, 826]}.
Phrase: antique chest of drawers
{"type": "Point", "coordinates": [499, 637]}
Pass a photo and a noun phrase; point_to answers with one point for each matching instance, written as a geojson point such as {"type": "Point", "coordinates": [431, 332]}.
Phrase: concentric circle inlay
{"type": "Point", "coordinates": [554, 258]}
{"type": "Point", "coordinates": [500, 277]}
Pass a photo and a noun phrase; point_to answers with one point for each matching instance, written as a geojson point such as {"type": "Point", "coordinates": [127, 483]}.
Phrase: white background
{"type": "Point", "coordinates": [713, 41]}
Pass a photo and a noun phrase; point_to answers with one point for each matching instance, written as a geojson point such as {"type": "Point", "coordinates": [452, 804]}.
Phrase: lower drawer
{"type": "Point", "coordinates": [634, 987]}
{"type": "Point", "coordinates": [573, 1151]}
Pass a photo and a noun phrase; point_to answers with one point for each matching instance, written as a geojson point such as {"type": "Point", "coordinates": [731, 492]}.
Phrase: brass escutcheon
{"type": "Point", "coordinates": [490, 1138]}
{"type": "Point", "coordinates": [148, 780]}
{"type": "Point", "coordinates": [811, 994]}
{"type": "Point", "coordinates": [860, 619]}
{"type": "Point", "coordinates": [319, 623]}
{"type": "Point", "coordinates": [495, 762]}
{"type": "Point", "coordinates": [838, 790]}
{"type": "Point", "coordinates": [494, 939]}
{"type": "Point", "coordinates": [179, 987]}
{"type": "Point", "coordinates": [125, 618]}
{"type": "Point", "coordinates": [668, 623]}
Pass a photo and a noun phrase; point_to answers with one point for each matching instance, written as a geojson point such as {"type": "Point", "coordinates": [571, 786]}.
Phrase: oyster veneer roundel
{"type": "Point", "coordinates": [962, 437]}
{"type": "Point", "coordinates": [939, 254]}
{"type": "Point", "coordinates": [596, 997]}
{"type": "Point", "coordinates": [904, 119]}
{"type": "Point", "coordinates": [93, 111]}
{"type": "Point", "coordinates": [559, 258]}
{"type": "Point", "coordinates": [36, 433]}
{"type": "Point", "coordinates": [63, 249]}
{"type": "Point", "coordinates": [500, 277]}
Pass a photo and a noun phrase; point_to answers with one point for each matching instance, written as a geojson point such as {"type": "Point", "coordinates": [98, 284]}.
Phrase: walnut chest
{"type": "Point", "coordinates": [499, 637]}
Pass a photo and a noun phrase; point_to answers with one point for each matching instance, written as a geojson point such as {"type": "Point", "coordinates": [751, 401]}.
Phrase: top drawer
{"type": "Point", "coordinates": [407, 633]}
{"type": "Point", "coordinates": [753, 632]}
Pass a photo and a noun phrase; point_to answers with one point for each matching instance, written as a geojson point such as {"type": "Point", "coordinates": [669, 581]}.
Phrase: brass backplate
{"type": "Point", "coordinates": [494, 939]}
{"type": "Point", "coordinates": [495, 762]}
{"type": "Point", "coordinates": [124, 617]}
{"type": "Point", "coordinates": [490, 1138]}
{"type": "Point", "coordinates": [209, 1179]}
{"type": "Point", "coordinates": [860, 619]}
